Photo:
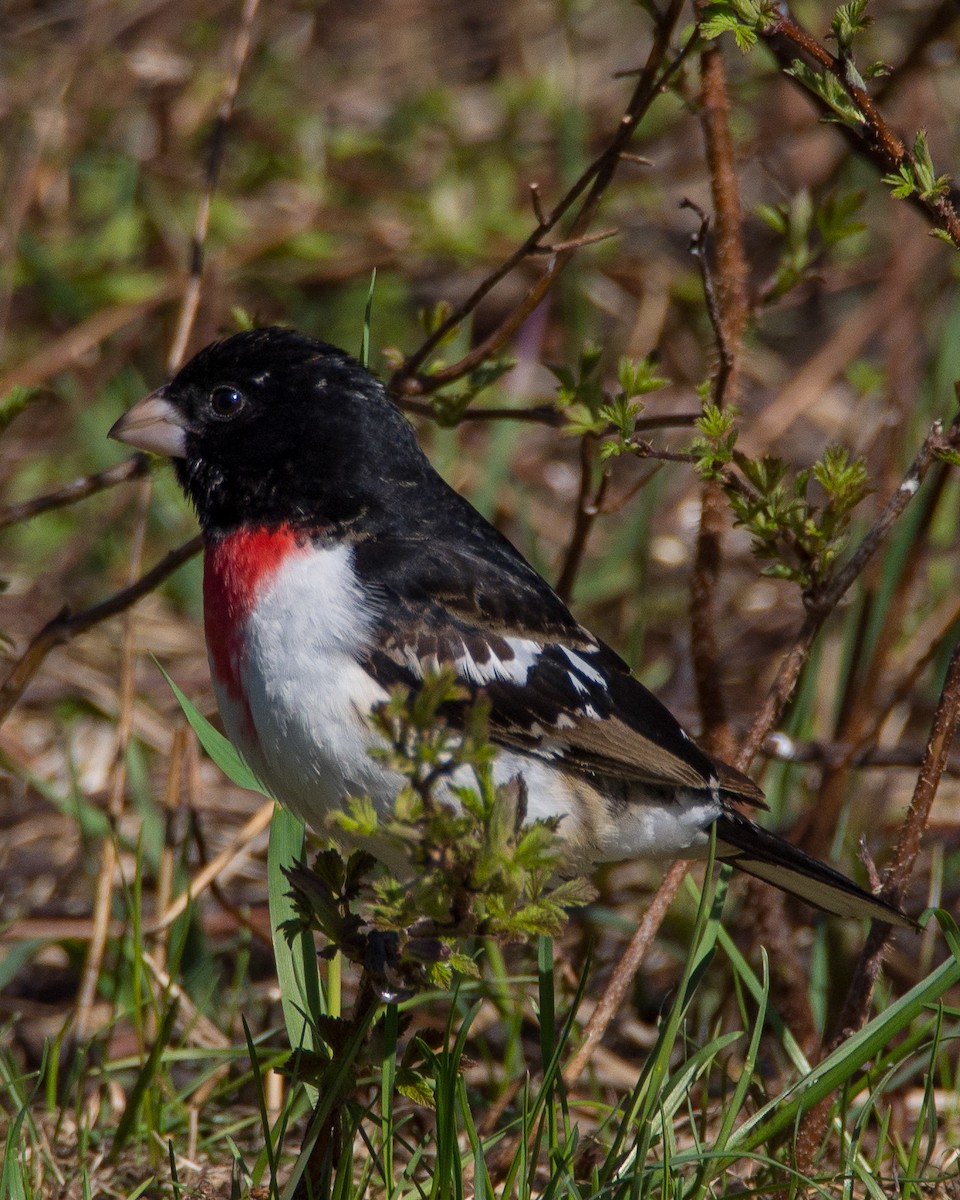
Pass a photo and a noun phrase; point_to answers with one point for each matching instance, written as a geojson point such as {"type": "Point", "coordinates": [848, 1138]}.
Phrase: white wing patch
{"type": "Point", "coordinates": [514, 670]}
{"type": "Point", "coordinates": [581, 670]}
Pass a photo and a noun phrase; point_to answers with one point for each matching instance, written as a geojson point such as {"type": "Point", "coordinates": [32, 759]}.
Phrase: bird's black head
{"type": "Point", "coordinates": [271, 426]}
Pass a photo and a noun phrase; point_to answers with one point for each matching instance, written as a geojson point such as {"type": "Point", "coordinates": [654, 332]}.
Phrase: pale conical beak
{"type": "Point", "coordinates": [153, 424]}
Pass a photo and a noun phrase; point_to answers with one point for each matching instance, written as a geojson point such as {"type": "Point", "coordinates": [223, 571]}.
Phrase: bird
{"type": "Point", "coordinates": [339, 565]}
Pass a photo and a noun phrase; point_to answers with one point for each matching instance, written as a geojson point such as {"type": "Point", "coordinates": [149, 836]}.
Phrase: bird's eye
{"type": "Point", "coordinates": [226, 402]}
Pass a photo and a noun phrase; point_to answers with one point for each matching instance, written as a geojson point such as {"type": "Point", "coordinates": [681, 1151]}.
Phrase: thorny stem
{"type": "Point", "coordinates": [727, 304]}
{"type": "Point", "coordinates": [705, 576]}
{"type": "Point", "coordinates": [875, 139]}
{"type": "Point", "coordinates": [834, 589]}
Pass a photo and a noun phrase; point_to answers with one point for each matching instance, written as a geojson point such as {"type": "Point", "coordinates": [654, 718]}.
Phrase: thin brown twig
{"type": "Point", "coordinates": [585, 239]}
{"type": "Point", "coordinates": [191, 296]}
{"type": "Point", "coordinates": [820, 606]}
{"type": "Point", "coordinates": [783, 748]}
{"type": "Point", "coordinates": [874, 139]}
{"type": "Point", "coordinates": [131, 468]}
{"type": "Point", "coordinates": [721, 335]}
{"type": "Point", "coordinates": [408, 379]}
{"type": "Point", "coordinates": [917, 665]}
{"type": "Point", "coordinates": [62, 352]}
{"type": "Point", "coordinates": [545, 414]}
{"type": "Point", "coordinates": [856, 1008]}
{"type": "Point", "coordinates": [66, 625]}
{"type": "Point", "coordinates": [625, 971]}
{"type": "Point", "coordinates": [103, 897]}
{"type": "Point", "coordinates": [589, 506]}
{"type": "Point", "coordinates": [615, 503]}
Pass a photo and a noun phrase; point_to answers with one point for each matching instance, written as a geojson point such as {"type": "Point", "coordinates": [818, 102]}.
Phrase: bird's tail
{"type": "Point", "coordinates": [759, 852]}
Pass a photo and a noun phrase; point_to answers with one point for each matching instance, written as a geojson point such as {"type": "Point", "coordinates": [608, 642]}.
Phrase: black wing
{"type": "Point", "coordinates": [554, 689]}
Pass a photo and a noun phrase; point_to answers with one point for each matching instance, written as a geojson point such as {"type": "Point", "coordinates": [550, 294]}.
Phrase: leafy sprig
{"type": "Point", "coordinates": [745, 19]}
{"type": "Point", "coordinates": [590, 409]}
{"type": "Point", "coordinates": [462, 857]}
{"type": "Point", "coordinates": [798, 535]}
{"type": "Point", "coordinates": [916, 175]}
{"type": "Point", "coordinates": [808, 230]}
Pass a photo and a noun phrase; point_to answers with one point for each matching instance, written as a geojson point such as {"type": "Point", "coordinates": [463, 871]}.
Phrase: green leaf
{"type": "Point", "coordinates": [14, 402]}
{"type": "Point", "coordinates": [297, 972]}
{"type": "Point", "coordinates": [840, 1068]}
{"type": "Point", "coordinates": [849, 20]}
{"type": "Point", "coordinates": [220, 749]}
{"type": "Point", "coordinates": [415, 1087]}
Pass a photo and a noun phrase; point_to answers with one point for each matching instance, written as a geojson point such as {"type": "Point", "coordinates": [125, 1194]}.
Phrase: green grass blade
{"type": "Point", "coordinates": [297, 970]}
{"type": "Point", "coordinates": [268, 1145]}
{"type": "Point", "coordinates": [840, 1066]}
{"type": "Point", "coordinates": [367, 320]}
{"type": "Point", "coordinates": [220, 749]}
{"type": "Point", "coordinates": [145, 1078]}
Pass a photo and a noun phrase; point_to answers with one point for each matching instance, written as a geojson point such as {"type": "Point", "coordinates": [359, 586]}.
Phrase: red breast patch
{"type": "Point", "coordinates": [235, 570]}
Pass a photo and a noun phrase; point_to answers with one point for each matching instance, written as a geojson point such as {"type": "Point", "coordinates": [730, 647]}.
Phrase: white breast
{"type": "Point", "coordinates": [308, 697]}
{"type": "Point", "coordinates": [309, 702]}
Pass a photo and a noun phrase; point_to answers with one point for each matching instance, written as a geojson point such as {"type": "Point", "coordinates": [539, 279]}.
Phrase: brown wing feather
{"type": "Point", "coordinates": [579, 704]}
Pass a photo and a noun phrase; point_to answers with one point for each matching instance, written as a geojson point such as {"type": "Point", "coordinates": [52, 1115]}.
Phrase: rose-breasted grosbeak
{"type": "Point", "coordinates": [338, 564]}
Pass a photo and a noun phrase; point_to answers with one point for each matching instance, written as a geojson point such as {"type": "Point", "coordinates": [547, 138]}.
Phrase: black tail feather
{"type": "Point", "coordinates": [759, 852]}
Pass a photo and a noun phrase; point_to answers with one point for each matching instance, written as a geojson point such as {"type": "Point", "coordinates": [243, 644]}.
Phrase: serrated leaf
{"type": "Point", "coordinates": [415, 1087]}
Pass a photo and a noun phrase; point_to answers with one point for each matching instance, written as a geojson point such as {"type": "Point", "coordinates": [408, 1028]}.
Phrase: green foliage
{"type": "Point", "coordinates": [580, 394]}
{"type": "Point", "coordinates": [809, 230]}
{"type": "Point", "coordinates": [743, 18]}
{"type": "Point", "coordinates": [713, 448]}
{"type": "Point", "coordinates": [848, 21]}
{"type": "Point", "coordinates": [590, 409]}
{"type": "Point", "coordinates": [823, 83]}
{"type": "Point", "coordinates": [482, 870]}
{"type": "Point", "coordinates": [479, 869]}
{"type": "Point", "coordinates": [916, 175]}
{"type": "Point", "coordinates": [799, 537]}
{"type": "Point", "coordinates": [450, 407]}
